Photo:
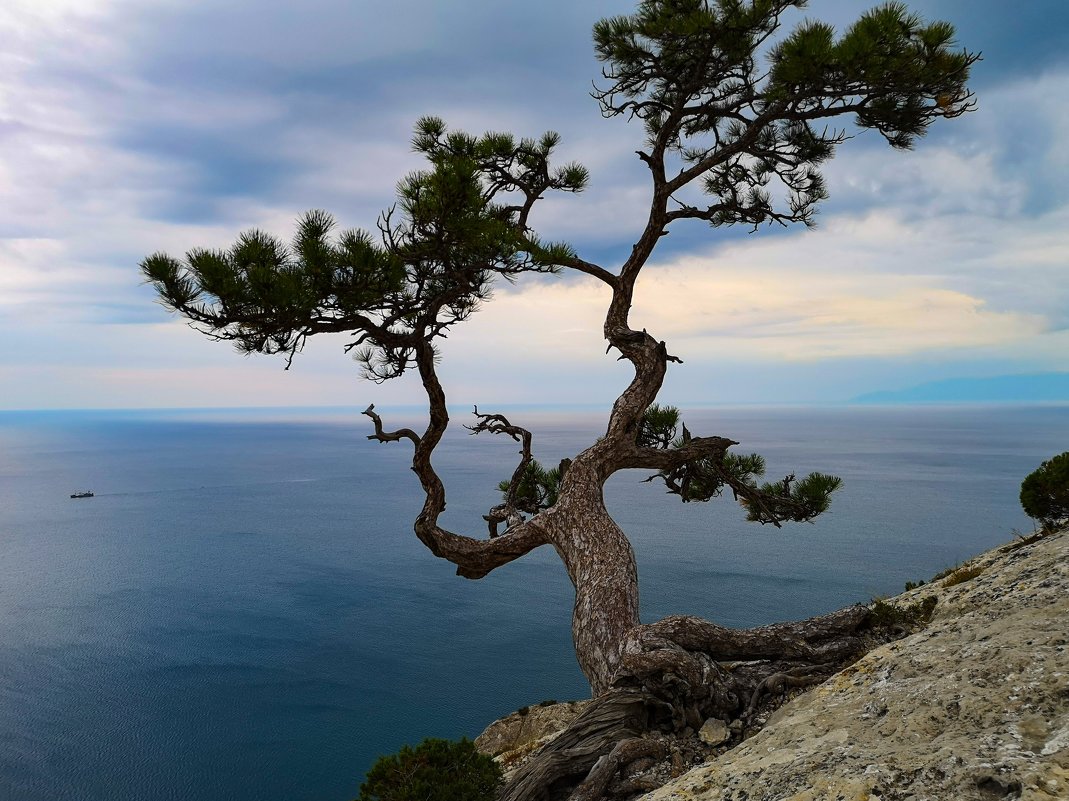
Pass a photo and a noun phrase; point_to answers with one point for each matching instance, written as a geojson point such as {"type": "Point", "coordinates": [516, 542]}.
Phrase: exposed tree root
{"type": "Point", "coordinates": [616, 716]}
{"type": "Point", "coordinates": [677, 674]}
{"type": "Point", "coordinates": [782, 683]}
{"type": "Point", "coordinates": [624, 753]}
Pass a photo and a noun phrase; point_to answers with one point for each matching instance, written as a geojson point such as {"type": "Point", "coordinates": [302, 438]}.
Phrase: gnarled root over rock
{"type": "Point", "coordinates": [677, 674]}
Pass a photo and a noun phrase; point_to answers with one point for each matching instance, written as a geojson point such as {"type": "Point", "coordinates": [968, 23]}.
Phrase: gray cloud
{"type": "Point", "coordinates": [128, 127]}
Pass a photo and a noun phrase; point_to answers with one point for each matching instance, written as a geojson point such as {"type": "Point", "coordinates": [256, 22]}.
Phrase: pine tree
{"type": "Point", "coordinates": [1045, 492]}
{"type": "Point", "coordinates": [737, 125]}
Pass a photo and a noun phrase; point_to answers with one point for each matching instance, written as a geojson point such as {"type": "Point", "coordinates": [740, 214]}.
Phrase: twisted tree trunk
{"type": "Point", "coordinates": [660, 679]}
{"type": "Point", "coordinates": [672, 676]}
{"type": "Point", "coordinates": [663, 679]}
{"type": "Point", "coordinates": [651, 681]}
{"type": "Point", "coordinates": [601, 565]}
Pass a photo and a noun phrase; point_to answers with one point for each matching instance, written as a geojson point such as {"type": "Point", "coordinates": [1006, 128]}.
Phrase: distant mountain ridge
{"type": "Point", "coordinates": [1037, 387]}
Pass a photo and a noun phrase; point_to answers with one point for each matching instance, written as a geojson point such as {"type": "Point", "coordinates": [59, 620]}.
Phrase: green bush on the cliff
{"type": "Point", "coordinates": [1045, 492]}
{"type": "Point", "coordinates": [435, 770]}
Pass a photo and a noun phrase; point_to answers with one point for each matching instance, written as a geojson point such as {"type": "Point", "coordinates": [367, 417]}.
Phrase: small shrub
{"type": "Point", "coordinates": [883, 615]}
{"type": "Point", "coordinates": [1020, 540]}
{"type": "Point", "coordinates": [435, 770]}
{"type": "Point", "coordinates": [962, 574]}
{"type": "Point", "coordinates": [912, 585]}
{"type": "Point", "coordinates": [1045, 492]}
{"type": "Point", "coordinates": [925, 609]}
{"type": "Point", "coordinates": [942, 574]}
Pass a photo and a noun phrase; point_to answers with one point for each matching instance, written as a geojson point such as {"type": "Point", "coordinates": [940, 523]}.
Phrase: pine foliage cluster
{"type": "Point", "coordinates": [435, 770]}
{"type": "Point", "coordinates": [455, 228]}
{"type": "Point", "coordinates": [538, 488]}
{"type": "Point", "coordinates": [700, 73]}
{"type": "Point", "coordinates": [798, 500]}
{"type": "Point", "coordinates": [1045, 492]}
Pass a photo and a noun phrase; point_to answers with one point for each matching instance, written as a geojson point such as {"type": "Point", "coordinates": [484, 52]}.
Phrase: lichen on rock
{"type": "Point", "coordinates": [974, 707]}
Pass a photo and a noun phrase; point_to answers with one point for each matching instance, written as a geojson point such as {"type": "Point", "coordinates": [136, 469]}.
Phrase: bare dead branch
{"type": "Point", "coordinates": [781, 683]}
{"type": "Point", "coordinates": [393, 436]}
{"type": "Point", "coordinates": [507, 512]}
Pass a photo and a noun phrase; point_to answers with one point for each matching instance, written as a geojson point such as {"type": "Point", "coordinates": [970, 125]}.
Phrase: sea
{"type": "Point", "coordinates": [242, 613]}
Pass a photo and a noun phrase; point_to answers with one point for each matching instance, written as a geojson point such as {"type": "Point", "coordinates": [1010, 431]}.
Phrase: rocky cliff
{"type": "Point", "coordinates": [974, 707]}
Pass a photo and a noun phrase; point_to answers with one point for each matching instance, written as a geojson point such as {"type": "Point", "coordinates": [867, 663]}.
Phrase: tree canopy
{"type": "Point", "coordinates": [1045, 492]}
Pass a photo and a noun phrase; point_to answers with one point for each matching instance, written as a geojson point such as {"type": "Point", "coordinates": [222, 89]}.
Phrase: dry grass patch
{"type": "Point", "coordinates": [962, 574]}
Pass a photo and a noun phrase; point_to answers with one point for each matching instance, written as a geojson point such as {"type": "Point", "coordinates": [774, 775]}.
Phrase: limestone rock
{"type": "Point", "coordinates": [512, 739]}
{"type": "Point", "coordinates": [973, 708]}
{"type": "Point", "coordinates": [714, 732]}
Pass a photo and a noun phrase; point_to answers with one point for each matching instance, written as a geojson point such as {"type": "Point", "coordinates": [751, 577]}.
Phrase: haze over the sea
{"type": "Point", "coordinates": [1041, 388]}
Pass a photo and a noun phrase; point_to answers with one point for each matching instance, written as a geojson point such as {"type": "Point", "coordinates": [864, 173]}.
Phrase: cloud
{"type": "Point", "coordinates": [871, 286]}
{"type": "Point", "coordinates": [28, 270]}
{"type": "Point", "coordinates": [128, 127]}
{"type": "Point", "coordinates": [1004, 160]}
{"type": "Point", "coordinates": [72, 365]}
{"type": "Point", "coordinates": [785, 316]}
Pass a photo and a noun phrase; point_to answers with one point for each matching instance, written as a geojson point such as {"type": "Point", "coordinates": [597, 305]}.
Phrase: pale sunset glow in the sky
{"type": "Point", "coordinates": [132, 126]}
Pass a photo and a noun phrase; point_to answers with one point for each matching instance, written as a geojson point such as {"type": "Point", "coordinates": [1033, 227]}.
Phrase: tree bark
{"type": "Point", "coordinates": [601, 565]}
{"type": "Point", "coordinates": [616, 716]}
{"type": "Point", "coordinates": [671, 677]}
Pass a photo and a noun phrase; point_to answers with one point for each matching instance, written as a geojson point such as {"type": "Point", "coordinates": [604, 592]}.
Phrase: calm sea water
{"type": "Point", "coordinates": [243, 613]}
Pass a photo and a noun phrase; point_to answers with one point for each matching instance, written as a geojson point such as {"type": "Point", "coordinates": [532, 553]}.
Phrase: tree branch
{"type": "Point", "coordinates": [668, 459]}
{"type": "Point", "coordinates": [575, 263]}
{"type": "Point", "coordinates": [507, 512]}
{"type": "Point", "coordinates": [819, 639]}
{"type": "Point", "coordinates": [382, 436]}
{"type": "Point", "coordinates": [476, 558]}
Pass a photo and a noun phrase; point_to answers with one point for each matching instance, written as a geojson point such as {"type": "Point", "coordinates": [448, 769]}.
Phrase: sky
{"type": "Point", "coordinates": [134, 126]}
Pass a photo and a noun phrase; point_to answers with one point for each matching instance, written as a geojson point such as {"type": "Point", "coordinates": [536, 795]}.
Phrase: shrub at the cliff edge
{"type": "Point", "coordinates": [1045, 492]}
{"type": "Point", "coordinates": [435, 770]}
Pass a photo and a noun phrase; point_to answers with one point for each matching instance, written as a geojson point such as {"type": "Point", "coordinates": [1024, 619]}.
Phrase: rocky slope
{"type": "Point", "coordinates": [514, 738]}
{"type": "Point", "coordinates": [975, 707]}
